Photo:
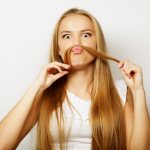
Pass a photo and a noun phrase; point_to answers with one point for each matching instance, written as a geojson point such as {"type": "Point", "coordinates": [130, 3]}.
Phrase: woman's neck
{"type": "Point", "coordinates": [80, 81]}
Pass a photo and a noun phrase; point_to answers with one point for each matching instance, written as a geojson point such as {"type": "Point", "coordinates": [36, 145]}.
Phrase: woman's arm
{"type": "Point", "coordinates": [140, 136]}
{"type": "Point", "coordinates": [140, 133]}
{"type": "Point", "coordinates": [129, 110]}
{"type": "Point", "coordinates": [12, 125]}
{"type": "Point", "coordinates": [19, 121]}
{"type": "Point", "coordinates": [31, 119]}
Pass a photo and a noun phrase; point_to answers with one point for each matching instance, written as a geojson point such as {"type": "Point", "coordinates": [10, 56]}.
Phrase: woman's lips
{"type": "Point", "coordinates": [77, 50]}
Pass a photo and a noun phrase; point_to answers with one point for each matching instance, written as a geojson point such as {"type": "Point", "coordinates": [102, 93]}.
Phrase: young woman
{"type": "Point", "coordinates": [78, 105]}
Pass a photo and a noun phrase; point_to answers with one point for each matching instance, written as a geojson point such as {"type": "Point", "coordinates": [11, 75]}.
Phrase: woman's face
{"type": "Point", "coordinates": [76, 30]}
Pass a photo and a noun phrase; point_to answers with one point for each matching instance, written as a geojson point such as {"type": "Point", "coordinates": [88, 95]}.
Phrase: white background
{"type": "Point", "coordinates": [25, 34]}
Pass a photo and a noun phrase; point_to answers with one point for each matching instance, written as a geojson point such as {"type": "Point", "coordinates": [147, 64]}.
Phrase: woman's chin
{"type": "Point", "coordinates": [78, 66]}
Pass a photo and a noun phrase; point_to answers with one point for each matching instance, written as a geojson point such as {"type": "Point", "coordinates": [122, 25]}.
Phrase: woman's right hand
{"type": "Point", "coordinates": [50, 73]}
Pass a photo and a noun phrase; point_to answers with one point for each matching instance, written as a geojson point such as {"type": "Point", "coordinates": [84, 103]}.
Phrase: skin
{"type": "Point", "coordinates": [71, 33]}
{"type": "Point", "coordinates": [75, 30]}
{"type": "Point", "coordinates": [136, 112]}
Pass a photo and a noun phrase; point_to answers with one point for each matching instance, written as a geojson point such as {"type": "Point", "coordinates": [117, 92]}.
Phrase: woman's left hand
{"type": "Point", "coordinates": [132, 74]}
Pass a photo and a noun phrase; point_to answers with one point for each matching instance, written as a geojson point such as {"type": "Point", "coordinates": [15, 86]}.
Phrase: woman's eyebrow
{"type": "Point", "coordinates": [87, 30]}
{"type": "Point", "coordinates": [67, 31]}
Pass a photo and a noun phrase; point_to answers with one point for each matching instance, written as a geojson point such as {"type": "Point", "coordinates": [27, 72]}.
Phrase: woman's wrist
{"type": "Point", "coordinates": [137, 90]}
{"type": "Point", "coordinates": [138, 93]}
{"type": "Point", "coordinates": [35, 87]}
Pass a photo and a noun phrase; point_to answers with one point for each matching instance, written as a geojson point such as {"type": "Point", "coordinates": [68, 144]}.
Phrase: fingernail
{"type": "Point", "coordinates": [67, 66]}
{"type": "Point", "coordinates": [119, 65]}
{"type": "Point", "coordinates": [66, 72]}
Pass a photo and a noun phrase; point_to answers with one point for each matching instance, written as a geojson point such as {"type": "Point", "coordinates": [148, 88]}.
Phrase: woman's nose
{"type": "Point", "coordinates": [77, 41]}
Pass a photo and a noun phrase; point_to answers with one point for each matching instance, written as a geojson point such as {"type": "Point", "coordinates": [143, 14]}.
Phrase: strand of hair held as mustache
{"type": "Point", "coordinates": [92, 52]}
{"type": "Point", "coordinates": [89, 50]}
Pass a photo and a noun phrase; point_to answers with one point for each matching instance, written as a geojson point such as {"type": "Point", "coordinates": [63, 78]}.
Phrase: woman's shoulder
{"type": "Point", "coordinates": [122, 89]}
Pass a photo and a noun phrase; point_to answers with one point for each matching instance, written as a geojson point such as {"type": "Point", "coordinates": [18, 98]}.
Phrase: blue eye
{"type": "Point", "coordinates": [66, 36]}
{"type": "Point", "coordinates": [87, 35]}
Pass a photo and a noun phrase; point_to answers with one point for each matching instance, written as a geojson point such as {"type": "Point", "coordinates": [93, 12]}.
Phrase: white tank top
{"type": "Point", "coordinates": [77, 123]}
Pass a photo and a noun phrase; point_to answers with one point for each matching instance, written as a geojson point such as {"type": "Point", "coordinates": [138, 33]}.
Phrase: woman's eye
{"type": "Point", "coordinates": [66, 36]}
{"type": "Point", "coordinates": [86, 35]}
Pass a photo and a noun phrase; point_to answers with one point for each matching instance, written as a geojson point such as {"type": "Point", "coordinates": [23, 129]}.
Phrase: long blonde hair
{"type": "Point", "coordinates": [106, 113]}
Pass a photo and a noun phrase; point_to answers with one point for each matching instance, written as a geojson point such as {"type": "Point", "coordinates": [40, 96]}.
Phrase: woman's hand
{"type": "Point", "coordinates": [132, 74]}
{"type": "Point", "coordinates": [50, 73]}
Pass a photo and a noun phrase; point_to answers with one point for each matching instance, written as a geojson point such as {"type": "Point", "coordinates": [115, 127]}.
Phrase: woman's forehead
{"type": "Point", "coordinates": [75, 23]}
